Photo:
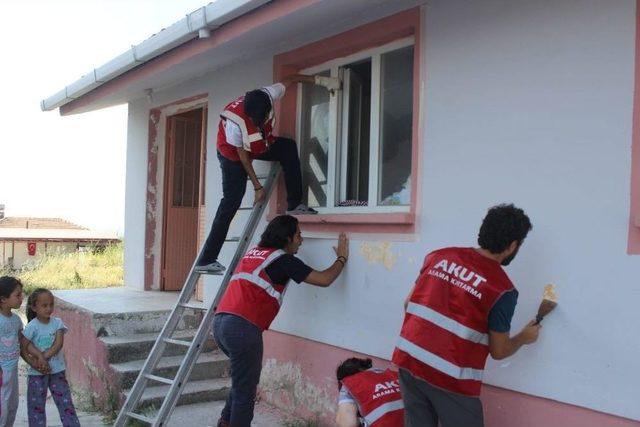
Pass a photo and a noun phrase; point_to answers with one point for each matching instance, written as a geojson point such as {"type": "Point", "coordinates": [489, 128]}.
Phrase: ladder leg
{"type": "Point", "coordinates": [177, 384]}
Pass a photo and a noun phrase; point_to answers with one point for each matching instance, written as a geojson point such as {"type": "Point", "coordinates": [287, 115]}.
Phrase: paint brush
{"type": "Point", "coordinates": [549, 302]}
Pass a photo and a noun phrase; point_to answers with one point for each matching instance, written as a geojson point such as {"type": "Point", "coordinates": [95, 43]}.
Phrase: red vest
{"type": "Point", "coordinates": [252, 139]}
{"type": "Point", "coordinates": [378, 397]}
{"type": "Point", "coordinates": [445, 335]}
{"type": "Point", "coordinates": [251, 294]}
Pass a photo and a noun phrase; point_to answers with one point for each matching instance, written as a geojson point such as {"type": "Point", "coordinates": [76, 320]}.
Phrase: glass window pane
{"type": "Point", "coordinates": [186, 159]}
{"type": "Point", "coordinates": [357, 104]}
{"type": "Point", "coordinates": [396, 118]}
{"type": "Point", "coordinates": [314, 144]}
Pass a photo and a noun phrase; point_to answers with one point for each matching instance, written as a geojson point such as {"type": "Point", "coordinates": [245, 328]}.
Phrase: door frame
{"type": "Point", "coordinates": [168, 164]}
{"type": "Point", "coordinates": [155, 191]}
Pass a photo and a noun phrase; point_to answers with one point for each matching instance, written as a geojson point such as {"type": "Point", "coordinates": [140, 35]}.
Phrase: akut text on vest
{"type": "Point", "coordinates": [378, 397]}
{"type": "Point", "coordinates": [445, 334]}
{"type": "Point", "coordinates": [251, 294]}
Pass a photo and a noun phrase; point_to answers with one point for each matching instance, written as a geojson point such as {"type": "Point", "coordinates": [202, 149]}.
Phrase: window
{"type": "Point", "coordinates": [356, 144]}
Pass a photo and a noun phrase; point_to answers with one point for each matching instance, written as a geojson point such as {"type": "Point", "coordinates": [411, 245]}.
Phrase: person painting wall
{"type": "Point", "coordinates": [458, 313]}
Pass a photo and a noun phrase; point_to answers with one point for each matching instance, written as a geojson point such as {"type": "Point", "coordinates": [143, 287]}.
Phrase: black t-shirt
{"type": "Point", "coordinates": [287, 267]}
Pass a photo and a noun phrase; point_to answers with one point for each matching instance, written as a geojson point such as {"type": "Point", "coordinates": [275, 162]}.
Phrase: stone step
{"type": "Point", "coordinates": [209, 366]}
{"type": "Point", "coordinates": [132, 347]}
{"type": "Point", "coordinates": [194, 392]}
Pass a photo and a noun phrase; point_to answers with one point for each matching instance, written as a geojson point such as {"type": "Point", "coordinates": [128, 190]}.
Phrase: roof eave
{"type": "Point", "coordinates": [188, 28]}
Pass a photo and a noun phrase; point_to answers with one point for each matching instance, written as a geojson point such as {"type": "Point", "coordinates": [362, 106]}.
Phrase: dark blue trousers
{"type": "Point", "coordinates": [241, 341]}
{"type": "Point", "coordinates": [234, 185]}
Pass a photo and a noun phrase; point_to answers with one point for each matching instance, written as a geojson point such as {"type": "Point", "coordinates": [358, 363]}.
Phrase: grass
{"type": "Point", "coordinates": [76, 270]}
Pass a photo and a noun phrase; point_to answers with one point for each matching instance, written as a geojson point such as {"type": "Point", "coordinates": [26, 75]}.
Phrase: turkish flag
{"type": "Point", "coordinates": [31, 247]}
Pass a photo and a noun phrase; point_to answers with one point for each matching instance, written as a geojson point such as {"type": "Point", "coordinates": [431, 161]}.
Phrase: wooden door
{"type": "Point", "coordinates": [182, 197]}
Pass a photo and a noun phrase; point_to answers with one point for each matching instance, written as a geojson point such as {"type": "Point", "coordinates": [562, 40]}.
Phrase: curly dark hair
{"type": "Point", "coordinates": [279, 232]}
{"type": "Point", "coordinates": [257, 105]}
{"type": "Point", "coordinates": [503, 224]}
{"type": "Point", "coordinates": [351, 367]}
{"type": "Point", "coordinates": [8, 284]}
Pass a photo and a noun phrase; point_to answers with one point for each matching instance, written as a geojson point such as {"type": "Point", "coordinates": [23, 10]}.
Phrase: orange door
{"type": "Point", "coordinates": [182, 197]}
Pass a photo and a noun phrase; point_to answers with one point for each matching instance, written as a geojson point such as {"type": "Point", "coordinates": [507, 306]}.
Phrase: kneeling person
{"type": "Point", "coordinates": [368, 396]}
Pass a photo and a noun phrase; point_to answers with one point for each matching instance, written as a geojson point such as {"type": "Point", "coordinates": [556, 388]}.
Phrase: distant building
{"type": "Point", "coordinates": [24, 239]}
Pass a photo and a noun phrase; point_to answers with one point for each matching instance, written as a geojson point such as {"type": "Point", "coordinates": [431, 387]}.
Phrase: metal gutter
{"type": "Point", "coordinates": [196, 24]}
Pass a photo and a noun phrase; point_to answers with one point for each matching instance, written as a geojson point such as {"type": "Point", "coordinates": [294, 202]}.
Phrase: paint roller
{"type": "Point", "coordinates": [549, 302]}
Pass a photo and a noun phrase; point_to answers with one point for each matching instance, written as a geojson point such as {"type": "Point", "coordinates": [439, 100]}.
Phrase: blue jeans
{"type": "Point", "coordinates": [241, 341]}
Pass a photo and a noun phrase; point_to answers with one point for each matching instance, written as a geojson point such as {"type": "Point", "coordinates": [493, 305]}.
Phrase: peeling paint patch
{"type": "Point", "coordinates": [284, 385]}
{"type": "Point", "coordinates": [378, 253]}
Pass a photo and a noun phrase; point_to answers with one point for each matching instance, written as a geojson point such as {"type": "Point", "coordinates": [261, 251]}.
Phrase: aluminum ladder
{"type": "Point", "coordinates": [176, 384]}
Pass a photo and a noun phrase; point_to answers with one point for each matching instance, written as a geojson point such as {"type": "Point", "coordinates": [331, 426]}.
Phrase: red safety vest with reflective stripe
{"type": "Point", "coordinates": [251, 294]}
{"type": "Point", "coordinates": [378, 397]}
{"type": "Point", "coordinates": [445, 335]}
{"type": "Point", "coordinates": [253, 140]}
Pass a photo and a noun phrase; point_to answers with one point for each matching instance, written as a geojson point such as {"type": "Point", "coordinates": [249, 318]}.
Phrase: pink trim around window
{"type": "Point", "coordinates": [633, 246]}
{"type": "Point", "coordinates": [386, 30]}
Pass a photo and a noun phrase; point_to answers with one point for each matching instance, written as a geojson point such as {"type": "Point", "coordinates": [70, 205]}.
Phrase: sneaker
{"type": "Point", "coordinates": [302, 210]}
{"type": "Point", "coordinates": [213, 268]}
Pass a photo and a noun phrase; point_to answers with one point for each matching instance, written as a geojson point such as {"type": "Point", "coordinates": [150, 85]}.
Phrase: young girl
{"type": "Point", "coordinates": [12, 344]}
{"type": "Point", "coordinates": [47, 334]}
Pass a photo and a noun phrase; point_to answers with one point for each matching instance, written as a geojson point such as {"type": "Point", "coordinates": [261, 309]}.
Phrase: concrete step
{"type": "Point", "coordinates": [132, 347]}
{"type": "Point", "coordinates": [126, 324]}
{"type": "Point", "coordinates": [194, 392]}
{"type": "Point", "coordinates": [209, 366]}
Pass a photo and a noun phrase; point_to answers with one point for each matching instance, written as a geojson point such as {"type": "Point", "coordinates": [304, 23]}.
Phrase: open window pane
{"type": "Point", "coordinates": [314, 144]}
{"type": "Point", "coordinates": [396, 118]}
{"type": "Point", "coordinates": [355, 150]}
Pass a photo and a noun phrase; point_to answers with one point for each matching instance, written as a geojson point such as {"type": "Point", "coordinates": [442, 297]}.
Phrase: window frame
{"type": "Point", "coordinates": [338, 132]}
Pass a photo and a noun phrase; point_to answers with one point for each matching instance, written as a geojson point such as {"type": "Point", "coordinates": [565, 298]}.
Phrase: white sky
{"type": "Point", "coordinates": [70, 167]}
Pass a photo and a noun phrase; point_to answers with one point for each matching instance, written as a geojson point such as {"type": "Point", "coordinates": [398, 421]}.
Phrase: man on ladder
{"type": "Point", "coordinates": [245, 133]}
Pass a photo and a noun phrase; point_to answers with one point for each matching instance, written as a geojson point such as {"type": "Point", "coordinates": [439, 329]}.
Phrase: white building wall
{"type": "Point", "coordinates": [531, 103]}
{"type": "Point", "coordinates": [524, 102]}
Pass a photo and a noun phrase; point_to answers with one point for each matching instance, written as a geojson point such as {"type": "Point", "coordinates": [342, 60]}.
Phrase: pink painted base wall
{"type": "Point", "coordinates": [288, 358]}
{"type": "Point", "coordinates": [87, 370]}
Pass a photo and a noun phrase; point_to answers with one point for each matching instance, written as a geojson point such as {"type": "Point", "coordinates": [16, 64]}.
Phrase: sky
{"type": "Point", "coordinates": [69, 167]}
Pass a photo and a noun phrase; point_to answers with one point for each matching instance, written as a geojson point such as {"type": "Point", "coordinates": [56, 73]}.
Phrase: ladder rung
{"type": "Point", "coordinates": [232, 239]}
{"type": "Point", "coordinates": [159, 379]}
{"type": "Point", "coordinates": [178, 342]}
{"type": "Point", "coordinates": [245, 208]}
{"type": "Point", "coordinates": [259, 177]}
{"type": "Point", "coordinates": [140, 417]}
{"type": "Point", "coordinates": [193, 306]}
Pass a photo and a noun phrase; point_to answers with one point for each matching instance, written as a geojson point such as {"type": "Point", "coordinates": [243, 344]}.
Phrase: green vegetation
{"type": "Point", "coordinates": [98, 268]}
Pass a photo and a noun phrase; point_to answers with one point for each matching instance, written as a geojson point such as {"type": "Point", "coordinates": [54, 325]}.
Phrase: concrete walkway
{"type": "Point", "coordinates": [87, 419]}
{"type": "Point", "coordinates": [197, 415]}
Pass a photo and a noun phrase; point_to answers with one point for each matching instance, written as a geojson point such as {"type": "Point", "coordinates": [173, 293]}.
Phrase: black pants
{"type": "Point", "coordinates": [426, 405]}
{"type": "Point", "coordinates": [234, 185]}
